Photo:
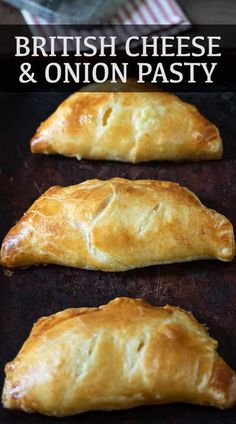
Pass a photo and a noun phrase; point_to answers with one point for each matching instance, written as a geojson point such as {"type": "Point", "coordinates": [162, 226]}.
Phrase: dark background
{"type": "Point", "coordinates": [207, 288]}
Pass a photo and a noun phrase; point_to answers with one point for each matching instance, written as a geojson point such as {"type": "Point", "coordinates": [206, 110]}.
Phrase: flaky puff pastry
{"type": "Point", "coordinates": [131, 127]}
{"type": "Point", "coordinates": [116, 225]}
{"type": "Point", "coordinates": [121, 355]}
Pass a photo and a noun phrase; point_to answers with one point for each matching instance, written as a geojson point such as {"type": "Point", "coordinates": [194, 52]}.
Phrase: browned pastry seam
{"type": "Point", "coordinates": [120, 355]}
{"type": "Point", "coordinates": [116, 225]}
{"type": "Point", "coordinates": [130, 127]}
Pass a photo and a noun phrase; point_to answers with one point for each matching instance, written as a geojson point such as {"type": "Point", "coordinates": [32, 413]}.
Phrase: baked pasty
{"type": "Point", "coordinates": [121, 355]}
{"type": "Point", "coordinates": [116, 225]}
{"type": "Point", "coordinates": [130, 127]}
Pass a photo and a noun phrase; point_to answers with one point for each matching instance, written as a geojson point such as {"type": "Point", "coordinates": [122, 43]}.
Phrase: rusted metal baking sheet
{"type": "Point", "coordinates": [207, 288]}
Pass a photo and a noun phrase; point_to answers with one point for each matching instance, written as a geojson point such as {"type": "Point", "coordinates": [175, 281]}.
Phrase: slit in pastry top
{"type": "Point", "coordinates": [128, 126]}
{"type": "Point", "coordinates": [159, 355]}
{"type": "Point", "coordinates": [117, 225]}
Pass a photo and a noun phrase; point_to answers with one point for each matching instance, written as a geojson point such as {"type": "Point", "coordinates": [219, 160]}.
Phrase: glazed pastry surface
{"type": "Point", "coordinates": [116, 225]}
{"type": "Point", "coordinates": [128, 126]}
{"type": "Point", "coordinates": [121, 355]}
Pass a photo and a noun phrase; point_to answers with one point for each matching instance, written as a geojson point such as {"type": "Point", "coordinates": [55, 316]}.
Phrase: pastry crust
{"type": "Point", "coordinates": [121, 355]}
{"type": "Point", "coordinates": [116, 225]}
{"type": "Point", "coordinates": [130, 127]}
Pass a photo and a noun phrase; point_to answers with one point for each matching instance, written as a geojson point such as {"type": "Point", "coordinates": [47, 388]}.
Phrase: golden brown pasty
{"type": "Point", "coordinates": [121, 355]}
{"type": "Point", "coordinates": [116, 225]}
{"type": "Point", "coordinates": [129, 127]}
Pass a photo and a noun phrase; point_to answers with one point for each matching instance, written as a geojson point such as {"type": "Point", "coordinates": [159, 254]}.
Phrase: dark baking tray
{"type": "Point", "coordinates": [207, 288]}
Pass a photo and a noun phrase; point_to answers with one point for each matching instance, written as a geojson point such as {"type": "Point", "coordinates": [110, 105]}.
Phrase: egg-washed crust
{"type": "Point", "coordinates": [117, 356]}
{"type": "Point", "coordinates": [116, 225]}
{"type": "Point", "coordinates": [128, 126]}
